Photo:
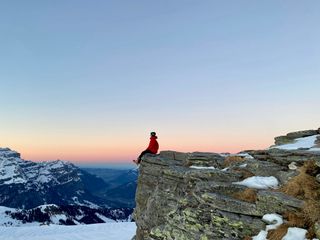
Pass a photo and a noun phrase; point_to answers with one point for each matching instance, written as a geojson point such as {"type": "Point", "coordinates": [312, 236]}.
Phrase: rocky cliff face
{"type": "Point", "coordinates": [203, 196]}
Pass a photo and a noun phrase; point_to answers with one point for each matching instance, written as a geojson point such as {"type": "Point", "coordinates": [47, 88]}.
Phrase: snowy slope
{"type": "Point", "coordinates": [61, 215]}
{"type": "Point", "coordinates": [104, 231]}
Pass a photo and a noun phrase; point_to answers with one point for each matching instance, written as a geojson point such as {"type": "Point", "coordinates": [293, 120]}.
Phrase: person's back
{"type": "Point", "coordinates": [153, 145]}
{"type": "Point", "coordinates": [152, 148]}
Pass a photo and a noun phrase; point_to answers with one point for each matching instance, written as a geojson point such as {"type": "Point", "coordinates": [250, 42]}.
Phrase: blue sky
{"type": "Point", "coordinates": [84, 79]}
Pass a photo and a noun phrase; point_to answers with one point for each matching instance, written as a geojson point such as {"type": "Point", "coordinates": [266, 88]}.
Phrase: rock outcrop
{"type": "Point", "coordinates": [194, 195]}
{"type": "Point", "coordinates": [290, 137]}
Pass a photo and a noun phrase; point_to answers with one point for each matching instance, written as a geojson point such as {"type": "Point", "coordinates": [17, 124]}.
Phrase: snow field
{"type": "Point", "coordinates": [102, 231]}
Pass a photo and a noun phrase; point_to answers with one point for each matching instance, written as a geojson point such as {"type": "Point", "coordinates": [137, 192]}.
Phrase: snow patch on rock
{"type": "Point", "coordinates": [258, 182]}
{"type": "Point", "coordinates": [200, 167]}
{"type": "Point", "coordinates": [301, 143]}
{"type": "Point", "coordinates": [295, 233]}
{"type": "Point", "coordinates": [275, 221]}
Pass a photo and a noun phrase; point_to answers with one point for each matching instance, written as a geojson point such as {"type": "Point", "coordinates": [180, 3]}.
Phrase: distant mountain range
{"type": "Point", "coordinates": [27, 185]}
{"type": "Point", "coordinates": [121, 188]}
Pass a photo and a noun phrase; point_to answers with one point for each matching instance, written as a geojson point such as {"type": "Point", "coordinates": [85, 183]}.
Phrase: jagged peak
{"type": "Point", "coordinates": [8, 153]}
{"type": "Point", "coordinates": [57, 164]}
{"type": "Point", "coordinates": [14, 170]}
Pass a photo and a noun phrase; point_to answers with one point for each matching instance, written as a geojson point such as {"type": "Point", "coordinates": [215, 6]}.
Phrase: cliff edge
{"type": "Point", "coordinates": [227, 196]}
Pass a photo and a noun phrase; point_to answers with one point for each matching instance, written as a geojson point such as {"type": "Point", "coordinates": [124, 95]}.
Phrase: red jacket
{"type": "Point", "coordinates": [153, 145]}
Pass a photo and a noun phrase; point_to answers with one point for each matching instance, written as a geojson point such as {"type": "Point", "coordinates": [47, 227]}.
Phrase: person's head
{"type": "Point", "coordinates": [153, 134]}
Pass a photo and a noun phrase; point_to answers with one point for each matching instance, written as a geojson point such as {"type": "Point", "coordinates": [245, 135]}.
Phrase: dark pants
{"type": "Point", "coordinates": [143, 153]}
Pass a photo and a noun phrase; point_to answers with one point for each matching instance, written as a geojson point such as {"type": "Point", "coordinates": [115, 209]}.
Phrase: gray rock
{"type": "Point", "coordinates": [285, 157]}
{"type": "Point", "coordinates": [317, 229]}
{"type": "Point", "coordinates": [317, 162]}
{"type": "Point", "coordinates": [178, 157]}
{"type": "Point", "coordinates": [318, 178]}
{"type": "Point", "coordinates": [263, 168]}
{"type": "Point", "coordinates": [282, 140]}
{"type": "Point", "coordinates": [204, 159]}
{"type": "Point", "coordinates": [304, 133]}
{"type": "Point", "coordinates": [270, 202]}
{"type": "Point", "coordinates": [284, 176]}
{"type": "Point", "coordinates": [229, 204]}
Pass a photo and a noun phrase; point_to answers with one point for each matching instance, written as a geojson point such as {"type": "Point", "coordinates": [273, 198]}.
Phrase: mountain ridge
{"type": "Point", "coordinates": [27, 184]}
{"type": "Point", "coordinates": [66, 192]}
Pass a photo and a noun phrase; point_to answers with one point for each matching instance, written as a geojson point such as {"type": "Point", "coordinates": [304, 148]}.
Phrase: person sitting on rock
{"type": "Point", "coordinates": [152, 148]}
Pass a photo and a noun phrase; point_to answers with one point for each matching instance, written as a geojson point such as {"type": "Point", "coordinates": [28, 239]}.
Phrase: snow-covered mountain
{"type": "Point", "coordinates": [27, 184]}
{"type": "Point", "coordinates": [54, 192]}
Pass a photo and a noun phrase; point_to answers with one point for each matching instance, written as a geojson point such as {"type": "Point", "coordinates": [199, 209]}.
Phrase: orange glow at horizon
{"type": "Point", "coordinates": [109, 147]}
{"type": "Point", "coordinates": [124, 154]}
{"type": "Point", "coordinates": [79, 155]}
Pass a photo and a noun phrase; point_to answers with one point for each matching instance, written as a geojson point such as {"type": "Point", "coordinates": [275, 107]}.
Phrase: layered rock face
{"type": "Point", "coordinates": [195, 196]}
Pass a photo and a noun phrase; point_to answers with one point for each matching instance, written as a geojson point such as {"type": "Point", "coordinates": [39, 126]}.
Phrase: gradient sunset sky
{"type": "Point", "coordinates": [87, 81]}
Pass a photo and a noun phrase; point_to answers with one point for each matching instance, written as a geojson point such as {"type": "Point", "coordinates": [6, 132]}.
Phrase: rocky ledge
{"type": "Point", "coordinates": [201, 195]}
